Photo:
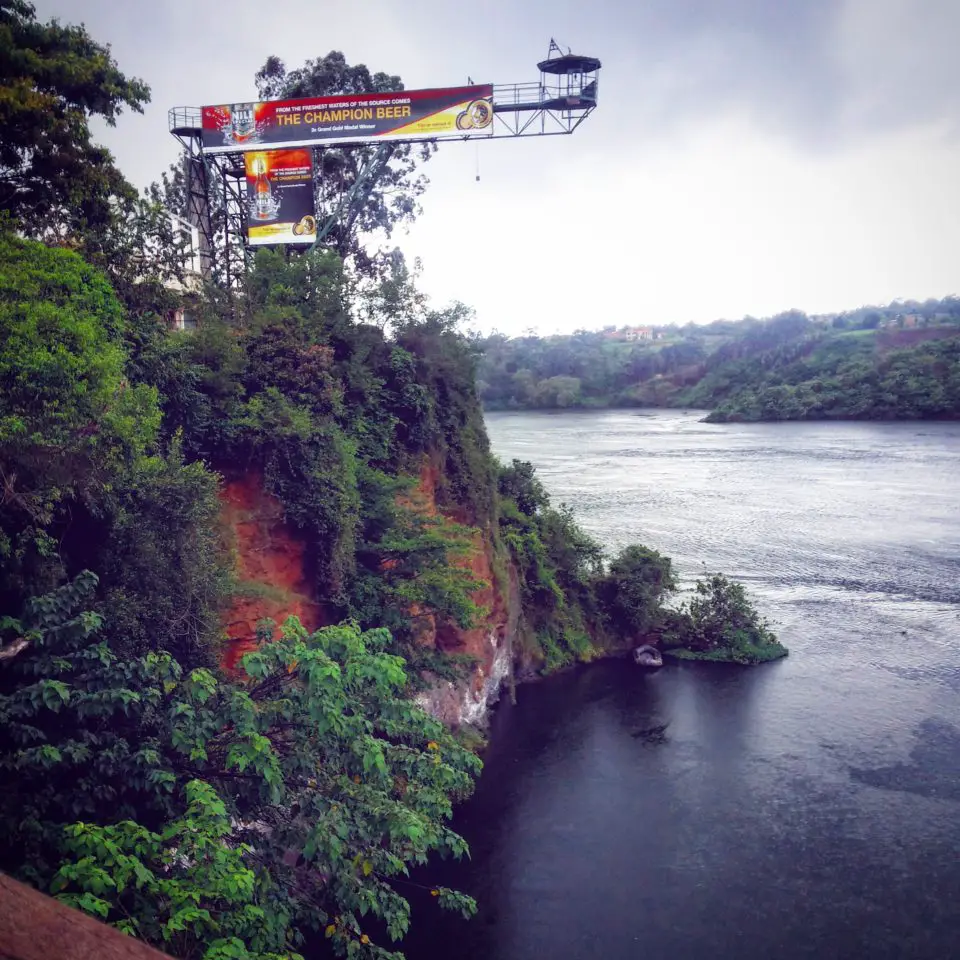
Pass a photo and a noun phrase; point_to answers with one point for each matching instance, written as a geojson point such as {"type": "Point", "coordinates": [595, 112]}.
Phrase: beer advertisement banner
{"type": "Point", "coordinates": [280, 197]}
{"type": "Point", "coordinates": [402, 115]}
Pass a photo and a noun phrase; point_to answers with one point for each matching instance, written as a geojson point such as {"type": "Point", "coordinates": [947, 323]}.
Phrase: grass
{"type": "Point", "coordinates": [255, 590]}
{"type": "Point", "coordinates": [855, 334]}
{"type": "Point", "coordinates": [747, 654]}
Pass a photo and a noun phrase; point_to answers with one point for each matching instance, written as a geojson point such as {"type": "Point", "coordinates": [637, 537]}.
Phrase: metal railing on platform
{"type": "Point", "coordinates": [184, 119]}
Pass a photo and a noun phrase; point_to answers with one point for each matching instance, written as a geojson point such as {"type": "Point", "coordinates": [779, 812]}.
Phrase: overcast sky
{"type": "Point", "coordinates": [747, 156]}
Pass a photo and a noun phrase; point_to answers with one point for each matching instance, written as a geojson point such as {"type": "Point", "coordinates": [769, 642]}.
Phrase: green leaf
{"type": "Point", "coordinates": [55, 694]}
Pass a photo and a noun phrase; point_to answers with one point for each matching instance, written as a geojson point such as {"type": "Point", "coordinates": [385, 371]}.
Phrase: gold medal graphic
{"type": "Point", "coordinates": [480, 114]}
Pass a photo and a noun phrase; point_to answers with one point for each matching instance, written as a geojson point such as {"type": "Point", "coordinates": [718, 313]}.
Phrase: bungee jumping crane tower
{"type": "Point", "coordinates": [252, 168]}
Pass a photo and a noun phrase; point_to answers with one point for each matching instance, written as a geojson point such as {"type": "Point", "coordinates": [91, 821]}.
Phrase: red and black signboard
{"type": "Point", "coordinates": [400, 115]}
{"type": "Point", "coordinates": [280, 197]}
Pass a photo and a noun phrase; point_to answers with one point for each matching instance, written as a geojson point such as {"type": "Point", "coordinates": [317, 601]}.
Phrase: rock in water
{"type": "Point", "coordinates": [655, 734]}
{"type": "Point", "coordinates": [647, 656]}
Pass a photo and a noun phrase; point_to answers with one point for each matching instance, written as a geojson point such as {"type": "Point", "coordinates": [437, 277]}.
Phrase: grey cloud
{"type": "Point", "coordinates": [821, 72]}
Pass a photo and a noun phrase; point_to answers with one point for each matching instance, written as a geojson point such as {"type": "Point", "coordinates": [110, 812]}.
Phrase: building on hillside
{"type": "Point", "coordinates": [906, 321]}
{"type": "Point", "coordinates": [632, 334]}
{"type": "Point", "coordinates": [184, 317]}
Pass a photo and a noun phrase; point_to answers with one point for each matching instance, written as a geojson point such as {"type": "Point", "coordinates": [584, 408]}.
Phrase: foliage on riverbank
{"type": "Point", "coordinates": [120, 737]}
{"type": "Point", "coordinates": [216, 815]}
{"type": "Point", "coordinates": [899, 362]}
{"type": "Point", "coordinates": [743, 654]}
{"type": "Point", "coordinates": [719, 623]}
{"type": "Point", "coordinates": [578, 604]}
{"type": "Point", "coordinates": [555, 563]}
{"type": "Point", "coordinates": [847, 378]}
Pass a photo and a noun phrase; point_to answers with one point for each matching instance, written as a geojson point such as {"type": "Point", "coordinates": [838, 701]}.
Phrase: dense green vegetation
{"type": "Point", "coordinates": [843, 377]}
{"type": "Point", "coordinates": [275, 810]}
{"type": "Point", "coordinates": [112, 700]}
{"type": "Point", "coordinates": [577, 604]}
{"type": "Point", "coordinates": [241, 813]}
{"type": "Point", "coordinates": [898, 362]}
{"type": "Point", "coordinates": [556, 564]}
{"type": "Point", "coordinates": [720, 623]}
{"type": "Point", "coordinates": [212, 815]}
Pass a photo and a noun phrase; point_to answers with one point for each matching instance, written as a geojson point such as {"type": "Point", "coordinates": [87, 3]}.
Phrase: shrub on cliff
{"type": "Point", "coordinates": [557, 564]}
{"type": "Point", "coordinates": [411, 568]}
{"type": "Point", "coordinates": [519, 483]}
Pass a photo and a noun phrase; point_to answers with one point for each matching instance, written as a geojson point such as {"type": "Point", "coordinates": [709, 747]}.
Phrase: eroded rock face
{"type": "Point", "coordinates": [490, 642]}
{"type": "Point", "coordinates": [272, 568]}
{"type": "Point", "coordinates": [457, 704]}
{"type": "Point", "coordinates": [270, 565]}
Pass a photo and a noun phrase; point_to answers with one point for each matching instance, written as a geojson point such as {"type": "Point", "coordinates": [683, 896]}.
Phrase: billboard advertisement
{"type": "Point", "coordinates": [358, 118]}
{"type": "Point", "coordinates": [280, 197]}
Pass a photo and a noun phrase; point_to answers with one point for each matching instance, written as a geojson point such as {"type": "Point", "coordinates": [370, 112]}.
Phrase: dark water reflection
{"type": "Point", "coordinates": [808, 808]}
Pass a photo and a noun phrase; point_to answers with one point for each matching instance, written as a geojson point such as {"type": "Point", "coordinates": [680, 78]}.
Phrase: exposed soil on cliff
{"type": "Point", "coordinates": [272, 570]}
{"type": "Point", "coordinates": [270, 567]}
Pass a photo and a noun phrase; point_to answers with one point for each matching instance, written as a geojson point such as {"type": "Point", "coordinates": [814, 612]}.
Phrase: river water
{"type": "Point", "coordinates": [806, 808]}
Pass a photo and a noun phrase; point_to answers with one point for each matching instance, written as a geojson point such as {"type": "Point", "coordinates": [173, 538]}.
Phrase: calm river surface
{"type": "Point", "coordinates": [807, 808]}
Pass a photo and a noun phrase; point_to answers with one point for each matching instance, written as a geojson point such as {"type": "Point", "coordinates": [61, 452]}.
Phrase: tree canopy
{"type": "Point", "coordinates": [69, 419]}
{"type": "Point", "coordinates": [54, 181]}
{"type": "Point", "coordinates": [112, 704]}
{"type": "Point", "coordinates": [242, 816]}
{"type": "Point", "coordinates": [394, 198]}
{"type": "Point", "coordinates": [894, 362]}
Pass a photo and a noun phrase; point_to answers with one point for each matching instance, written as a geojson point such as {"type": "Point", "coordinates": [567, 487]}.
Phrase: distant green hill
{"type": "Point", "coordinates": [849, 376]}
{"type": "Point", "coordinates": [897, 362]}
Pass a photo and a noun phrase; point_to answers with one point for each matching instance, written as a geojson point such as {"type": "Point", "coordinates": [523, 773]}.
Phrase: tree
{"type": "Point", "coordinates": [634, 588]}
{"type": "Point", "coordinates": [68, 417]}
{"type": "Point", "coordinates": [393, 200]}
{"type": "Point", "coordinates": [720, 623]}
{"type": "Point", "coordinates": [519, 482]}
{"type": "Point", "coordinates": [558, 391]}
{"type": "Point", "coordinates": [54, 181]}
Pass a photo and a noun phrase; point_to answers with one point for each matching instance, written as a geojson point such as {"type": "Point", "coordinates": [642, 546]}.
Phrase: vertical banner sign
{"type": "Point", "coordinates": [451, 112]}
{"type": "Point", "coordinates": [280, 198]}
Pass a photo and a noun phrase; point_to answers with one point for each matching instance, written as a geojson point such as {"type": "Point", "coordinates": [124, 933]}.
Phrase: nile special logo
{"type": "Point", "coordinates": [478, 115]}
{"type": "Point", "coordinates": [238, 124]}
